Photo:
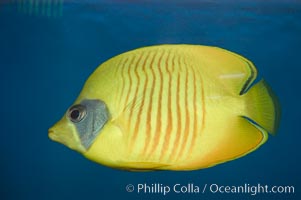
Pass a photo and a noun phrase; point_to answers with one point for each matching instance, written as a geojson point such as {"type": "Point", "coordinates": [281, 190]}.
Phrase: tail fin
{"type": "Point", "coordinates": [263, 106]}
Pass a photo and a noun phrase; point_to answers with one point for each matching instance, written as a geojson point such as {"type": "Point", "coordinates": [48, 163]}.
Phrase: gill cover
{"type": "Point", "coordinates": [92, 115]}
{"type": "Point", "coordinates": [81, 125]}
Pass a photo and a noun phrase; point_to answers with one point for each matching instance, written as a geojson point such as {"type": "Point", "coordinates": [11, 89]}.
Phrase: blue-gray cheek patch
{"type": "Point", "coordinates": [96, 117]}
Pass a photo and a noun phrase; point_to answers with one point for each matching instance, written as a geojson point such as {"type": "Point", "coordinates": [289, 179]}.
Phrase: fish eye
{"type": "Point", "coordinates": [77, 113]}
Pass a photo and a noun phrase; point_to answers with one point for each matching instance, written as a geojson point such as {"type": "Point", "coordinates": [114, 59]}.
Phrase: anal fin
{"type": "Point", "coordinates": [238, 138]}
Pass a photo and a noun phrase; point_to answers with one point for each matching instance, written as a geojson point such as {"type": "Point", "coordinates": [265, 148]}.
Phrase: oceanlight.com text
{"type": "Point", "coordinates": [192, 188]}
{"type": "Point", "coordinates": [251, 189]}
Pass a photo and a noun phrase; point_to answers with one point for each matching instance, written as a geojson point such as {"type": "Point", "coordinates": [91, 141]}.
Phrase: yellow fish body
{"type": "Point", "coordinates": [170, 107]}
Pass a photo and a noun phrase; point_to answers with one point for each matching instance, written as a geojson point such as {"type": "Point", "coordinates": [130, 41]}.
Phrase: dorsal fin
{"type": "Point", "coordinates": [235, 72]}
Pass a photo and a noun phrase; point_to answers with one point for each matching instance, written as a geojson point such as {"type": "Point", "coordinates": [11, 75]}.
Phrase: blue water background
{"type": "Point", "coordinates": [45, 61]}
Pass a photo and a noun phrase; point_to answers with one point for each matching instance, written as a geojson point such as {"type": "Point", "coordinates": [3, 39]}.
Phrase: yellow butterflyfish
{"type": "Point", "coordinates": [170, 107]}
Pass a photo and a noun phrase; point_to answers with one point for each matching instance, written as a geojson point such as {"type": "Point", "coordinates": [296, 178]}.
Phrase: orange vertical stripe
{"type": "Point", "coordinates": [137, 124]}
{"type": "Point", "coordinates": [122, 81]}
{"type": "Point", "coordinates": [149, 110]}
{"type": "Point", "coordinates": [133, 103]}
{"type": "Point", "coordinates": [203, 105]}
{"type": "Point", "coordinates": [156, 137]}
{"type": "Point", "coordinates": [169, 127]}
{"type": "Point", "coordinates": [179, 117]}
{"type": "Point", "coordinates": [187, 124]}
{"type": "Point", "coordinates": [127, 73]}
{"type": "Point", "coordinates": [195, 114]}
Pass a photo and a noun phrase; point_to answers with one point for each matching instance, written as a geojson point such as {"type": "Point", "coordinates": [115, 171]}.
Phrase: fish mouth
{"type": "Point", "coordinates": [65, 138]}
{"type": "Point", "coordinates": [52, 134]}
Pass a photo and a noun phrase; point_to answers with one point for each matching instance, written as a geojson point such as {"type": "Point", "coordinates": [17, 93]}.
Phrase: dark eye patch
{"type": "Point", "coordinates": [77, 113]}
{"type": "Point", "coordinates": [74, 114]}
{"type": "Point", "coordinates": [89, 117]}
